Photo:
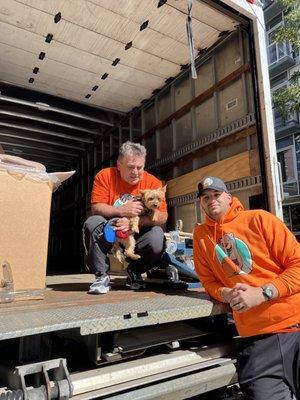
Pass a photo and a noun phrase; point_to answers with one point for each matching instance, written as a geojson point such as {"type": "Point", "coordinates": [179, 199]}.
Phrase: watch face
{"type": "Point", "coordinates": [267, 292]}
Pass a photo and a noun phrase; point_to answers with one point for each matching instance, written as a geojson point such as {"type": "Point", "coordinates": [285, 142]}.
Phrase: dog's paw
{"type": "Point", "coordinates": [132, 255]}
{"type": "Point", "coordinates": [135, 257]}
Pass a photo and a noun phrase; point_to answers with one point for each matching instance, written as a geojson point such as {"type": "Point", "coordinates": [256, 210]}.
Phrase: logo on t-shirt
{"type": "Point", "coordinates": [123, 199]}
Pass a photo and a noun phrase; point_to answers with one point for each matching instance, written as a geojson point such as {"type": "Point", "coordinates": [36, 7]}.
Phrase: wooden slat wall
{"type": "Point", "coordinates": [229, 169]}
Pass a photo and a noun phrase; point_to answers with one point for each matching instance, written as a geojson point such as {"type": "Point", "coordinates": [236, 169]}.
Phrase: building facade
{"type": "Point", "coordinates": [283, 62]}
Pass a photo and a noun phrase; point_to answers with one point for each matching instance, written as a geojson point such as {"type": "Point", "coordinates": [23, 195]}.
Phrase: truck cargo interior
{"type": "Point", "coordinates": [76, 81]}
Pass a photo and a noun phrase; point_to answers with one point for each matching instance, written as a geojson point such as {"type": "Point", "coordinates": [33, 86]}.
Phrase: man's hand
{"type": "Point", "coordinates": [131, 209]}
{"type": "Point", "coordinates": [122, 224]}
{"type": "Point", "coordinates": [227, 294]}
{"type": "Point", "coordinates": [242, 296]}
{"type": "Point", "coordinates": [245, 297]}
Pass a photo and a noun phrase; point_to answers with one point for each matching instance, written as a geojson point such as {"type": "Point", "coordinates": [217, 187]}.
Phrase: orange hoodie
{"type": "Point", "coordinates": [256, 248]}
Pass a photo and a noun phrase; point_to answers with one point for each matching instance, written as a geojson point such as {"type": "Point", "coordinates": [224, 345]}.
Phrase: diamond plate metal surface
{"type": "Point", "coordinates": [97, 318]}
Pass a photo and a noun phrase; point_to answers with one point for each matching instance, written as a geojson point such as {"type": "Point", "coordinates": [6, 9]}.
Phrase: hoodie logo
{"type": "Point", "coordinates": [234, 255]}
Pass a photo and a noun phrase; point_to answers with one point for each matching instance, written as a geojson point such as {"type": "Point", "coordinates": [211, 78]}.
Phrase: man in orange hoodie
{"type": "Point", "coordinates": [250, 260]}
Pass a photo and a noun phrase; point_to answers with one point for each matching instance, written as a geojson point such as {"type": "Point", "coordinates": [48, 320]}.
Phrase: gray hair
{"type": "Point", "coordinates": [132, 149]}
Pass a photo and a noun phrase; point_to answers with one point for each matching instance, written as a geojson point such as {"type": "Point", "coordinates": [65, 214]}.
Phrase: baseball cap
{"type": "Point", "coordinates": [213, 183]}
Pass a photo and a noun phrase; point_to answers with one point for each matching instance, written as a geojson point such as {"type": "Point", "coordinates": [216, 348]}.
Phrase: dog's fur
{"type": "Point", "coordinates": [151, 200]}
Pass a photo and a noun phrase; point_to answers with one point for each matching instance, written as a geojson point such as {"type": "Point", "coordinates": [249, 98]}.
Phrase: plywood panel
{"type": "Point", "coordinates": [62, 90]}
{"type": "Point", "coordinates": [184, 168]}
{"type": "Point", "coordinates": [230, 169]}
{"type": "Point", "coordinates": [183, 130]}
{"type": "Point", "coordinates": [232, 94]}
{"type": "Point", "coordinates": [160, 18]}
{"type": "Point", "coordinates": [149, 117]}
{"type": "Point", "coordinates": [205, 14]}
{"type": "Point", "coordinates": [206, 117]}
{"type": "Point", "coordinates": [205, 78]}
{"type": "Point", "coordinates": [236, 147]}
{"type": "Point", "coordinates": [183, 93]}
{"type": "Point", "coordinates": [166, 140]}
{"type": "Point", "coordinates": [34, 43]}
{"type": "Point", "coordinates": [164, 107]}
{"type": "Point", "coordinates": [117, 27]}
{"type": "Point", "coordinates": [91, 34]}
{"type": "Point", "coordinates": [228, 59]}
{"type": "Point", "coordinates": [254, 162]}
{"type": "Point", "coordinates": [82, 38]}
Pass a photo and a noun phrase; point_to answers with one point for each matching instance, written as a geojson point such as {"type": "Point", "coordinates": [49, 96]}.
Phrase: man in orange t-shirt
{"type": "Point", "coordinates": [112, 197]}
{"type": "Point", "coordinates": [250, 260]}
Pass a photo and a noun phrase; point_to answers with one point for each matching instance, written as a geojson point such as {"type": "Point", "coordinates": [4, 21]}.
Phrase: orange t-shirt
{"type": "Point", "coordinates": [108, 187]}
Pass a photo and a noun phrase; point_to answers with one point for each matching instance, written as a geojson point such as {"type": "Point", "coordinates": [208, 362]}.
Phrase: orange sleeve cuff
{"type": "Point", "coordinates": [280, 286]}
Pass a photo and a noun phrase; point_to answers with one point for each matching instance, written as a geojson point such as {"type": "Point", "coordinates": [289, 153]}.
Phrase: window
{"type": "Point", "coordinates": [285, 142]}
{"type": "Point", "coordinates": [287, 216]}
{"type": "Point", "coordinates": [276, 51]}
{"type": "Point", "coordinates": [266, 3]}
{"type": "Point", "coordinates": [278, 80]}
{"type": "Point", "coordinates": [287, 161]}
{"type": "Point", "coordinates": [291, 217]}
{"type": "Point", "coordinates": [278, 119]}
{"type": "Point", "coordinates": [277, 20]}
{"type": "Point", "coordinates": [295, 213]}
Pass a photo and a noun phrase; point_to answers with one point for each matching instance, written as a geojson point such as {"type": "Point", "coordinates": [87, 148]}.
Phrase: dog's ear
{"type": "Point", "coordinates": [164, 189]}
{"type": "Point", "coordinates": [142, 192]}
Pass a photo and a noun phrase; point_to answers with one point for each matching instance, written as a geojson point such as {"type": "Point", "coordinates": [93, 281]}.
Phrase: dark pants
{"type": "Point", "coordinates": [149, 245]}
{"type": "Point", "coordinates": [269, 367]}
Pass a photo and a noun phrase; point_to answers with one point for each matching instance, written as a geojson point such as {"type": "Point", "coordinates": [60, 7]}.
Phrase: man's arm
{"type": "Point", "coordinates": [207, 277]}
{"type": "Point", "coordinates": [130, 209]}
{"type": "Point", "coordinates": [105, 210]}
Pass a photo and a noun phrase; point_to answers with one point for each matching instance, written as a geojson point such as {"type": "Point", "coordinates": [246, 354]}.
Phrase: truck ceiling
{"type": "Point", "coordinates": [60, 57]}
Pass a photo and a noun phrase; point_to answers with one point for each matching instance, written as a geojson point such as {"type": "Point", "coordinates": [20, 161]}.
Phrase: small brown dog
{"type": "Point", "coordinates": [151, 200]}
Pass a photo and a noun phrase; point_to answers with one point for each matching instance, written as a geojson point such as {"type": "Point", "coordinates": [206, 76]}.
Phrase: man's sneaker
{"type": "Point", "coordinates": [100, 286]}
{"type": "Point", "coordinates": [134, 280]}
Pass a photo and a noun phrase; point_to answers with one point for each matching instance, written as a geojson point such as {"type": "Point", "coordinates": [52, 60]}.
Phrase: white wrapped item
{"type": "Point", "coordinates": [26, 169]}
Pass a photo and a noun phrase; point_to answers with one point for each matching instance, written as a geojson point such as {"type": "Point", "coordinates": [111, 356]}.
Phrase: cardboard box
{"type": "Point", "coordinates": [25, 204]}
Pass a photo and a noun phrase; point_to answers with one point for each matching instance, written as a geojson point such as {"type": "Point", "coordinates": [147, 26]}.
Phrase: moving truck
{"type": "Point", "coordinates": [78, 78]}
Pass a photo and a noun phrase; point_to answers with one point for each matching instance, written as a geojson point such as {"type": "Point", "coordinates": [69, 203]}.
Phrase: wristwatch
{"type": "Point", "coordinates": [268, 292]}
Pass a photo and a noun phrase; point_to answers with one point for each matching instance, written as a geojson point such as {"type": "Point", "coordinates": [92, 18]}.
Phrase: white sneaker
{"type": "Point", "coordinates": [101, 285]}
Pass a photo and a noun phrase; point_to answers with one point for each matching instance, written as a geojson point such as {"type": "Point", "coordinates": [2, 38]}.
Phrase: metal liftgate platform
{"type": "Point", "coordinates": [66, 307]}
